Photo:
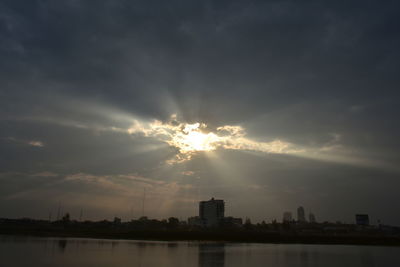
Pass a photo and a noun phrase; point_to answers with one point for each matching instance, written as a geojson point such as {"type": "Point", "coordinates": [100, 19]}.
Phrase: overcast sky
{"type": "Point", "coordinates": [297, 103]}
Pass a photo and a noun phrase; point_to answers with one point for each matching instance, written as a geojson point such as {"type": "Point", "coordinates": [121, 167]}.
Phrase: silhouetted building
{"type": "Point", "coordinates": [231, 221]}
{"type": "Point", "coordinates": [212, 212]}
{"type": "Point", "coordinates": [311, 218]}
{"type": "Point", "coordinates": [362, 219]}
{"type": "Point", "coordinates": [301, 217]}
{"type": "Point", "coordinates": [287, 217]}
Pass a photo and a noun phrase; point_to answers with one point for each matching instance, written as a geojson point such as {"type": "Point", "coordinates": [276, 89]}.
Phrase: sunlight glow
{"type": "Point", "coordinates": [192, 139]}
{"type": "Point", "coordinates": [196, 138]}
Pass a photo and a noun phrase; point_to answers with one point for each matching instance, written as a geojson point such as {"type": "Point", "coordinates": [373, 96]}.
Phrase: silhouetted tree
{"type": "Point", "coordinates": [117, 220]}
{"type": "Point", "coordinates": [264, 225]}
{"type": "Point", "coordinates": [173, 222]}
{"type": "Point", "coordinates": [248, 224]}
{"type": "Point", "coordinates": [275, 224]}
{"type": "Point", "coordinates": [66, 218]}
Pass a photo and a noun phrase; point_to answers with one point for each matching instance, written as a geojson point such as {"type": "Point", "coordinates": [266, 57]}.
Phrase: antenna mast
{"type": "Point", "coordinates": [58, 211]}
{"type": "Point", "coordinates": [144, 198]}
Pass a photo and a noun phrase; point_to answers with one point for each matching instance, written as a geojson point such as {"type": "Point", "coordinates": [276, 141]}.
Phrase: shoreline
{"type": "Point", "coordinates": [214, 236]}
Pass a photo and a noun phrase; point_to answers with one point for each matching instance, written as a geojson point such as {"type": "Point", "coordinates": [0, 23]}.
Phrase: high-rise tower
{"type": "Point", "coordinates": [311, 218]}
{"type": "Point", "coordinates": [211, 212]}
{"type": "Point", "coordinates": [301, 217]}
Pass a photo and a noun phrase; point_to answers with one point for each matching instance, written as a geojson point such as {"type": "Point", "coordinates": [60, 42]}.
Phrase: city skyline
{"type": "Point", "coordinates": [213, 208]}
{"type": "Point", "coordinates": [120, 108]}
{"type": "Point", "coordinates": [211, 213]}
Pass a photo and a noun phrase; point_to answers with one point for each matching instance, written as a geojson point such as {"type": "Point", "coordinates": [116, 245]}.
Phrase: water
{"type": "Point", "coordinates": [29, 251]}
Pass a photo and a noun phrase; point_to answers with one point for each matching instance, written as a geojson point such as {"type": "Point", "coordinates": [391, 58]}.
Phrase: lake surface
{"type": "Point", "coordinates": [32, 251]}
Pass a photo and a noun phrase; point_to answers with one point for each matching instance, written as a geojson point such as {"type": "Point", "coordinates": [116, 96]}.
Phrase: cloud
{"type": "Point", "coordinates": [190, 139]}
{"type": "Point", "coordinates": [45, 174]}
{"type": "Point", "coordinates": [34, 143]}
{"type": "Point", "coordinates": [188, 173]}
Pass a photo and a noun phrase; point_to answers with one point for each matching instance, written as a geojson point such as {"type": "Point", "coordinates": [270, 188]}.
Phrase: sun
{"type": "Point", "coordinates": [198, 141]}
{"type": "Point", "coordinates": [192, 139]}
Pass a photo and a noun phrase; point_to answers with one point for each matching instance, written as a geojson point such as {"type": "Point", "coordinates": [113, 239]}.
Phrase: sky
{"type": "Point", "coordinates": [132, 108]}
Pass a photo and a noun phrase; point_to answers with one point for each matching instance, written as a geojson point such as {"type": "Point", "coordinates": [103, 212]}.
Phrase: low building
{"type": "Point", "coordinates": [195, 221]}
{"type": "Point", "coordinates": [362, 219]}
{"type": "Point", "coordinates": [287, 217]}
{"type": "Point", "coordinates": [231, 221]}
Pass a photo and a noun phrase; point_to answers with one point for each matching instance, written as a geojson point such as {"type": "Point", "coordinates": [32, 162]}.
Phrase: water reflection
{"type": "Point", "coordinates": [367, 259]}
{"type": "Point", "coordinates": [212, 255]}
{"type": "Point", "coordinates": [172, 245]}
{"type": "Point", "coordinates": [304, 258]}
{"type": "Point", "coordinates": [62, 244]}
{"type": "Point", "coordinates": [68, 252]}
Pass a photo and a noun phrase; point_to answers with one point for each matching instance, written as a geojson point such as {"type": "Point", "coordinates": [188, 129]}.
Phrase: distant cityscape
{"type": "Point", "coordinates": [211, 224]}
{"type": "Point", "coordinates": [212, 214]}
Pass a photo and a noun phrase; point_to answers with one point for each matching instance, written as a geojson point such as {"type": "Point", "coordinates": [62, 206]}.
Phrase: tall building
{"type": "Point", "coordinates": [287, 216]}
{"type": "Point", "coordinates": [211, 212]}
{"type": "Point", "coordinates": [311, 218]}
{"type": "Point", "coordinates": [301, 217]}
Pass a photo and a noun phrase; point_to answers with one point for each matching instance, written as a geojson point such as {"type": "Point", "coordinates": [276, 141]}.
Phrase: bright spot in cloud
{"type": "Point", "coordinates": [192, 138]}
{"type": "Point", "coordinates": [35, 143]}
{"type": "Point", "coordinates": [26, 142]}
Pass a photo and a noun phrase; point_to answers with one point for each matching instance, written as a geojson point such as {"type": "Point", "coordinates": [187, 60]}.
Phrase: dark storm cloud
{"type": "Point", "coordinates": [260, 56]}
{"type": "Point", "coordinates": [307, 72]}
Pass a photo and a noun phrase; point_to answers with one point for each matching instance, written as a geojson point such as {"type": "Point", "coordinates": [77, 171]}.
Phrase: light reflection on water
{"type": "Point", "coordinates": [64, 252]}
